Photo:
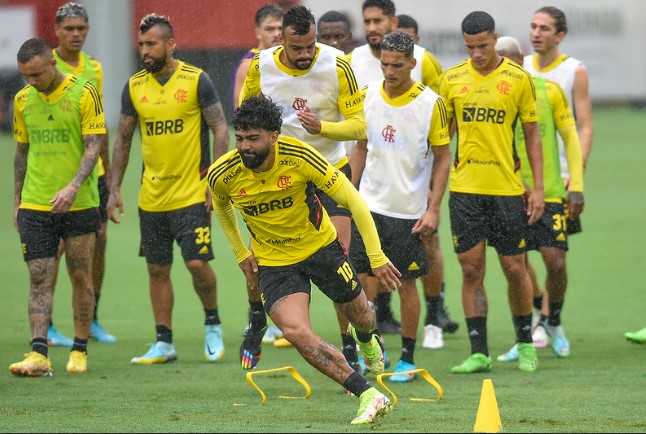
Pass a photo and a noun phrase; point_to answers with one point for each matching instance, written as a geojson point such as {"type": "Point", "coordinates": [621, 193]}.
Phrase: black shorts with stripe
{"type": "Point", "coordinates": [405, 250]}
{"type": "Point", "coordinates": [189, 226]}
{"type": "Point", "coordinates": [500, 220]}
{"type": "Point", "coordinates": [551, 230]}
{"type": "Point", "coordinates": [329, 269]}
{"type": "Point", "coordinates": [41, 231]}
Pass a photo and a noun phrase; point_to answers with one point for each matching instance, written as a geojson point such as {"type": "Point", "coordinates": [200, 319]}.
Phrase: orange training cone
{"type": "Point", "coordinates": [488, 418]}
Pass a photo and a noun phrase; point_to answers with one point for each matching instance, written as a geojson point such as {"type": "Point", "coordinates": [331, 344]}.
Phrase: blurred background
{"type": "Point", "coordinates": [608, 36]}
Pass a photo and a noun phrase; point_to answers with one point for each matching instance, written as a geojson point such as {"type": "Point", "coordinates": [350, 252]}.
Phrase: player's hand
{"type": "Point", "coordinates": [309, 120]}
{"type": "Point", "coordinates": [114, 202]}
{"type": "Point", "coordinates": [535, 205]}
{"type": "Point", "coordinates": [63, 200]}
{"type": "Point", "coordinates": [427, 224]}
{"type": "Point", "coordinates": [388, 276]}
{"type": "Point", "coordinates": [249, 268]}
{"type": "Point", "coordinates": [574, 204]}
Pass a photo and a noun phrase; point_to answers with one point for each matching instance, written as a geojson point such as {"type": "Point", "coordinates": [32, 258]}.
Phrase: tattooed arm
{"type": "Point", "coordinates": [63, 200]}
{"type": "Point", "coordinates": [19, 172]}
{"type": "Point", "coordinates": [120, 157]}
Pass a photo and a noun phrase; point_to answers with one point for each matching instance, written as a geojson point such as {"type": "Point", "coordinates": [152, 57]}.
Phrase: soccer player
{"type": "Point", "coordinates": [269, 178]}
{"type": "Point", "coordinates": [322, 106]}
{"type": "Point", "coordinates": [437, 320]}
{"type": "Point", "coordinates": [407, 139]}
{"type": "Point", "coordinates": [269, 22]}
{"type": "Point", "coordinates": [549, 234]}
{"type": "Point", "coordinates": [72, 26]}
{"type": "Point", "coordinates": [485, 96]}
{"type": "Point", "coordinates": [548, 28]}
{"type": "Point", "coordinates": [175, 104]}
{"type": "Point", "coordinates": [333, 29]}
{"type": "Point", "coordinates": [58, 124]}
{"type": "Point", "coordinates": [379, 18]}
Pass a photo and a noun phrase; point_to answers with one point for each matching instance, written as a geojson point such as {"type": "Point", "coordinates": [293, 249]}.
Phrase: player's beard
{"type": "Point", "coordinates": [253, 160]}
{"type": "Point", "coordinates": [301, 64]}
{"type": "Point", "coordinates": [156, 65]}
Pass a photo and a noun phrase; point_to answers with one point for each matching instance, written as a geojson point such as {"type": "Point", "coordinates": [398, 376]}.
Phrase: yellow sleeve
{"type": "Point", "coordinates": [20, 132]}
{"type": "Point", "coordinates": [226, 215]}
{"type": "Point", "coordinates": [348, 196]}
{"type": "Point", "coordinates": [92, 115]}
{"type": "Point", "coordinates": [432, 70]}
{"type": "Point", "coordinates": [438, 134]}
{"type": "Point", "coordinates": [350, 102]}
{"type": "Point", "coordinates": [251, 85]}
{"type": "Point", "coordinates": [566, 126]}
{"type": "Point", "coordinates": [527, 111]}
{"type": "Point", "coordinates": [574, 156]}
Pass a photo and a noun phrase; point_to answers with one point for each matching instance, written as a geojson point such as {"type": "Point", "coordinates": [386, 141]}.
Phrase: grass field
{"type": "Point", "coordinates": [599, 388]}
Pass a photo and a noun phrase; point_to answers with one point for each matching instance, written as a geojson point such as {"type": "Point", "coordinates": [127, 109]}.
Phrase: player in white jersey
{"type": "Point", "coordinates": [547, 30]}
{"type": "Point", "coordinates": [379, 19]}
{"type": "Point", "coordinates": [406, 152]}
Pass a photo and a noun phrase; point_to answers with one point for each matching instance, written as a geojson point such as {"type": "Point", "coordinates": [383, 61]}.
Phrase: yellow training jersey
{"type": "Point", "coordinates": [486, 109]}
{"type": "Point", "coordinates": [53, 126]}
{"type": "Point", "coordinates": [174, 139]}
{"type": "Point", "coordinates": [285, 218]}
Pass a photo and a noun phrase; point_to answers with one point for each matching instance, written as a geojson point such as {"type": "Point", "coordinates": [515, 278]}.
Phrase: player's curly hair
{"type": "Point", "coordinates": [258, 112]}
{"type": "Point", "coordinates": [399, 42]}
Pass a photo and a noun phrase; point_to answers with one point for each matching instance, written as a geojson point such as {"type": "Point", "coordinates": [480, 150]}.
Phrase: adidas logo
{"type": "Point", "coordinates": [561, 237]}
{"type": "Point", "coordinates": [204, 250]}
{"type": "Point", "coordinates": [50, 118]}
{"type": "Point", "coordinates": [474, 333]}
{"type": "Point", "coordinates": [522, 244]}
{"type": "Point", "coordinates": [413, 266]}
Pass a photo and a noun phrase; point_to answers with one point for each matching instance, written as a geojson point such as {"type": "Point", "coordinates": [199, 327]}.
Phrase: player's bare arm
{"type": "Point", "coordinates": [19, 172]}
{"type": "Point", "coordinates": [104, 153]}
{"type": "Point", "coordinates": [214, 117]}
{"type": "Point", "coordinates": [120, 156]}
{"type": "Point", "coordinates": [64, 199]}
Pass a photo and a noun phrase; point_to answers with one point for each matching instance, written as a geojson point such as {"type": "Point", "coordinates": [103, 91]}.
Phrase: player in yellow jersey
{"type": "Point", "coordinates": [72, 26]}
{"type": "Point", "coordinates": [322, 106]}
{"type": "Point", "coordinates": [58, 124]}
{"type": "Point", "coordinates": [485, 96]}
{"type": "Point", "coordinates": [175, 105]}
{"type": "Point", "coordinates": [269, 23]}
{"type": "Point", "coordinates": [270, 180]}
{"type": "Point", "coordinates": [406, 152]}
{"type": "Point", "coordinates": [549, 234]}
{"type": "Point", "coordinates": [547, 30]}
{"type": "Point", "coordinates": [437, 320]}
